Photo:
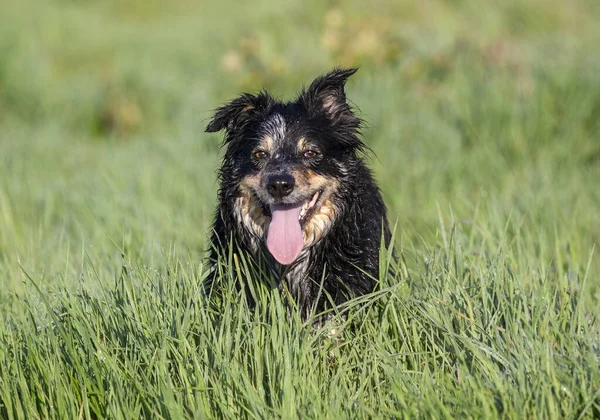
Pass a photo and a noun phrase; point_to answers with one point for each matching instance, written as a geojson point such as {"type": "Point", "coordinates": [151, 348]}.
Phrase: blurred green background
{"type": "Point", "coordinates": [480, 113]}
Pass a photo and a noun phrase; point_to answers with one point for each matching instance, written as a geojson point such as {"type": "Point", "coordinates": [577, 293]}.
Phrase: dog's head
{"type": "Point", "coordinates": [285, 163]}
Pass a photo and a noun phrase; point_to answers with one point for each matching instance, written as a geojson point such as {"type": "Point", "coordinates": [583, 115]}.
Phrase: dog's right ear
{"type": "Point", "coordinates": [236, 114]}
{"type": "Point", "coordinates": [326, 93]}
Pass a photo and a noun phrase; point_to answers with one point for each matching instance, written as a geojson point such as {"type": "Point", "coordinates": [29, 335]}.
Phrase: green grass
{"type": "Point", "coordinates": [485, 123]}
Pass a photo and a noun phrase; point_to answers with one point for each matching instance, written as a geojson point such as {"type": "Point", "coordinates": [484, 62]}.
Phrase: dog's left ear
{"type": "Point", "coordinates": [237, 113]}
{"type": "Point", "coordinates": [326, 93]}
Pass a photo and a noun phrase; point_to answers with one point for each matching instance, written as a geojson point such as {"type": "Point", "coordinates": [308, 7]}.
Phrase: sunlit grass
{"type": "Point", "coordinates": [465, 333]}
{"type": "Point", "coordinates": [484, 122]}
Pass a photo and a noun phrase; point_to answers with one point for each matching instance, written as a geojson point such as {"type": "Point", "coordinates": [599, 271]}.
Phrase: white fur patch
{"type": "Point", "coordinates": [275, 127]}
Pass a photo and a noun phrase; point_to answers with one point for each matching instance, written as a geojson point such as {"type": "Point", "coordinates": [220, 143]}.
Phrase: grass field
{"type": "Point", "coordinates": [484, 119]}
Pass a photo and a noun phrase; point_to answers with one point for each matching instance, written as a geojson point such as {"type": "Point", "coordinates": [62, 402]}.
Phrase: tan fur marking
{"type": "Point", "coordinates": [248, 211]}
{"type": "Point", "coordinates": [302, 143]}
{"type": "Point", "coordinates": [320, 223]}
{"type": "Point", "coordinates": [249, 183]}
{"type": "Point", "coordinates": [308, 181]}
{"type": "Point", "coordinates": [266, 144]}
{"type": "Point", "coordinates": [322, 220]}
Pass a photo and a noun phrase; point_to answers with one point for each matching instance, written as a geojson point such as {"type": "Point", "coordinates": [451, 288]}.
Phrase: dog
{"type": "Point", "coordinates": [295, 193]}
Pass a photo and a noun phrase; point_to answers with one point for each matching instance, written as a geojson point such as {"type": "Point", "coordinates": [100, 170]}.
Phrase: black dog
{"type": "Point", "coordinates": [295, 193]}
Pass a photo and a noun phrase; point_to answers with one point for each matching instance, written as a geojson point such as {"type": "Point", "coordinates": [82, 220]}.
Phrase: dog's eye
{"type": "Point", "coordinates": [260, 154]}
{"type": "Point", "coordinates": [309, 154]}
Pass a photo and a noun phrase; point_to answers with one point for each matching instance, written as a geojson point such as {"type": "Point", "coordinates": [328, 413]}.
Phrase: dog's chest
{"type": "Point", "coordinates": [297, 277]}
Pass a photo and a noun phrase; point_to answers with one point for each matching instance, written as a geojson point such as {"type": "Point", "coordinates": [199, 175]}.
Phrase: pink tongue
{"type": "Point", "coordinates": [284, 239]}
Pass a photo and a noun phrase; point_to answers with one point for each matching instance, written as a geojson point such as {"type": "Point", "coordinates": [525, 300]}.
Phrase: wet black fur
{"type": "Point", "coordinates": [348, 256]}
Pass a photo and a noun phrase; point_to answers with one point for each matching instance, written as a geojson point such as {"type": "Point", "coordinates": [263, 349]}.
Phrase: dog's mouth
{"type": "Point", "coordinates": [284, 237]}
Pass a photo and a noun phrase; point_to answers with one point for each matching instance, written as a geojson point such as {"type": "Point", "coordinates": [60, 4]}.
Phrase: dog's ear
{"type": "Point", "coordinates": [326, 93]}
{"type": "Point", "coordinates": [237, 113]}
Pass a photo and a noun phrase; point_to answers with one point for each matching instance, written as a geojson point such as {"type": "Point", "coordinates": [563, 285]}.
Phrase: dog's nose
{"type": "Point", "coordinates": [280, 185]}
